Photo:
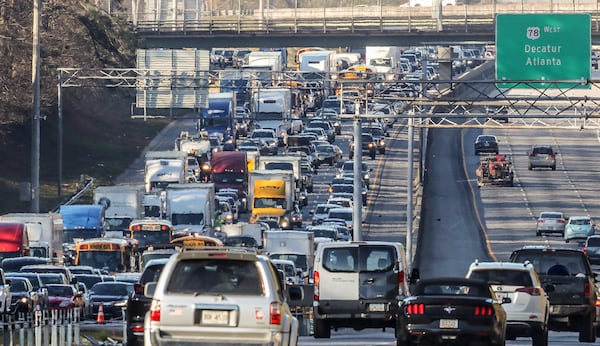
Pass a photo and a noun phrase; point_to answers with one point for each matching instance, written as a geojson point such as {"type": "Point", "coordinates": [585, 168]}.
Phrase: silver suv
{"type": "Point", "coordinates": [221, 295]}
{"type": "Point", "coordinates": [542, 156]}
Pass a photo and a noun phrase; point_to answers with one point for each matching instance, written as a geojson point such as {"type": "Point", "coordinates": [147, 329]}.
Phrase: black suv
{"type": "Point", "coordinates": [369, 146]}
{"type": "Point", "coordinates": [378, 135]}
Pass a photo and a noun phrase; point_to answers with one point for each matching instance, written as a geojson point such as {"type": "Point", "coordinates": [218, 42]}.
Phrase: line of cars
{"type": "Point", "coordinates": [56, 287]}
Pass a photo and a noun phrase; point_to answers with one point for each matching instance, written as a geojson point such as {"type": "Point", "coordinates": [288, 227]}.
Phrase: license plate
{"type": "Point", "coordinates": [377, 307]}
{"type": "Point", "coordinates": [448, 324]}
{"type": "Point", "coordinates": [215, 317]}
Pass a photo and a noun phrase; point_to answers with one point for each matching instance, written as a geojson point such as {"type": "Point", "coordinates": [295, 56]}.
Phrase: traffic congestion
{"type": "Point", "coordinates": [241, 231]}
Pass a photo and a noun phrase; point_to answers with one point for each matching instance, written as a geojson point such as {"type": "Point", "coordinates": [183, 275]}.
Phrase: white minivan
{"type": "Point", "coordinates": [358, 285]}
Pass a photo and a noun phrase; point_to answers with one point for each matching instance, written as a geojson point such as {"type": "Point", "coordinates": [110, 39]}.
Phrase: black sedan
{"type": "Point", "coordinates": [113, 296]}
{"type": "Point", "coordinates": [457, 310]}
{"type": "Point", "coordinates": [486, 144]}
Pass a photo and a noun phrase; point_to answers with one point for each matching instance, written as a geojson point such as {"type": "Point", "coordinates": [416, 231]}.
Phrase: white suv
{"type": "Point", "coordinates": [220, 296]}
{"type": "Point", "coordinates": [527, 314]}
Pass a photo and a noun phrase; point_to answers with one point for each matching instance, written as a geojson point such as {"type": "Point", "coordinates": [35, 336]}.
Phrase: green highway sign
{"type": "Point", "coordinates": [545, 47]}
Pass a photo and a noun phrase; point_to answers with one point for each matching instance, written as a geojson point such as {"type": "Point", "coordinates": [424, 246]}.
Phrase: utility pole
{"type": "Point", "coordinates": [35, 80]}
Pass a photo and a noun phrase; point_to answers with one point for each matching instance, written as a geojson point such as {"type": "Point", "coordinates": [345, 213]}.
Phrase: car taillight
{"type": "Point", "coordinates": [541, 220]}
{"type": "Point", "coordinates": [598, 302]}
{"type": "Point", "coordinates": [533, 291]}
{"type": "Point", "coordinates": [585, 250]}
{"type": "Point", "coordinates": [415, 309]}
{"type": "Point", "coordinates": [275, 313]}
{"type": "Point", "coordinates": [586, 291]}
{"type": "Point", "coordinates": [551, 156]}
{"type": "Point", "coordinates": [560, 221]}
{"type": "Point", "coordinates": [483, 311]}
{"type": "Point", "coordinates": [401, 277]}
{"type": "Point", "coordinates": [155, 311]}
{"type": "Point", "coordinates": [532, 155]}
{"type": "Point", "coordinates": [316, 282]}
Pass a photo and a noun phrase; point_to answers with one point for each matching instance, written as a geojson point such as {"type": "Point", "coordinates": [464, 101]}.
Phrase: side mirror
{"type": "Point", "coordinates": [149, 289]}
{"type": "Point", "coordinates": [415, 275]}
{"type": "Point", "coordinates": [506, 300]}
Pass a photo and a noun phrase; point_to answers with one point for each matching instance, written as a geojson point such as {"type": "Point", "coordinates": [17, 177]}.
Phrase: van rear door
{"type": "Point", "coordinates": [378, 276]}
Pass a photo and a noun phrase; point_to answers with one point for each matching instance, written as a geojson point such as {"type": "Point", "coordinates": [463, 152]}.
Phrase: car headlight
{"type": "Point", "coordinates": [284, 223]}
{"type": "Point", "coordinates": [121, 303]}
{"type": "Point", "coordinates": [371, 145]}
{"type": "Point", "coordinates": [24, 300]}
{"type": "Point", "coordinates": [228, 217]}
{"type": "Point", "coordinates": [382, 142]}
{"type": "Point", "coordinates": [366, 177]}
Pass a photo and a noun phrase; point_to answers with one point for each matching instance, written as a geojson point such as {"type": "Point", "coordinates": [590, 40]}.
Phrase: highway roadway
{"type": "Point", "coordinates": [460, 221]}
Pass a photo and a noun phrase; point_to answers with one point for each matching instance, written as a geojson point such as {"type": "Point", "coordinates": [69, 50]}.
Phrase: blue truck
{"type": "Point", "coordinates": [81, 221]}
{"type": "Point", "coordinates": [218, 118]}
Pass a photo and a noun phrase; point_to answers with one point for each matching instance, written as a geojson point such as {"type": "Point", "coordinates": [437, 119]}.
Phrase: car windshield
{"type": "Point", "coordinates": [367, 258]}
{"type": "Point", "coordinates": [551, 216]}
{"type": "Point", "coordinates": [486, 139]}
{"type": "Point", "coordinates": [111, 289]}
{"type": "Point", "coordinates": [452, 289]}
{"type": "Point", "coordinates": [60, 291]}
{"type": "Point", "coordinates": [17, 285]}
{"type": "Point", "coordinates": [215, 276]}
{"type": "Point", "coordinates": [542, 150]}
{"type": "Point", "coordinates": [503, 277]}
{"type": "Point", "coordinates": [579, 222]}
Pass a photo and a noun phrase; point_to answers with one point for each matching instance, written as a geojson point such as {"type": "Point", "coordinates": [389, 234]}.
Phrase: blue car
{"type": "Point", "coordinates": [578, 227]}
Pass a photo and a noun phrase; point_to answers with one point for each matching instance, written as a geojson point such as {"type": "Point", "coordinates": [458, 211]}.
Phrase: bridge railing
{"type": "Point", "coordinates": [464, 18]}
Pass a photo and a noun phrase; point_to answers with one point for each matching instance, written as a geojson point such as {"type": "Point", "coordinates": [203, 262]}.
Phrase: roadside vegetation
{"type": "Point", "coordinates": [99, 138]}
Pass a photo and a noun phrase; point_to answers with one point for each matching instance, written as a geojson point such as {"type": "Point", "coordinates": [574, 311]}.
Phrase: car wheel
{"type": "Point", "coordinates": [553, 168]}
{"type": "Point", "coordinates": [539, 336]}
{"type": "Point", "coordinates": [538, 233]}
{"type": "Point", "coordinates": [382, 151]}
{"type": "Point", "coordinates": [321, 329]}
{"type": "Point", "coordinates": [530, 167]}
{"type": "Point", "coordinates": [567, 241]}
{"type": "Point", "coordinates": [588, 331]}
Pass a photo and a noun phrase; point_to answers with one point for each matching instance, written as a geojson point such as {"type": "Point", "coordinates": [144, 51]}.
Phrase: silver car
{"type": "Point", "coordinates": [542, 156]}
{"type": "Point", "coordinates": [220, 296]}
{"type": "Point", "coordinates": [550, 222]}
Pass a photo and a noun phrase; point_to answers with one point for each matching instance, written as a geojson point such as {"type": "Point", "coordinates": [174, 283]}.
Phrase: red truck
{"type": "Point", "coordinates": [14, 241]}
{"type": "Point", "coordinates": [230, 171]}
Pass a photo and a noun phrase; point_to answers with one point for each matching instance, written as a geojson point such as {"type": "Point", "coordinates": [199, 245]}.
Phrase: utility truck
{"type": "Point", "coordinates": [271, 108]}
{"type": "Point", "coordinates": [43, 230]}
{"type": "Point", "coordinates": [297, 246]}
{"type": "Point", "coordinates": [191, 207]}
{"type": "Point", "coordinates": [385, 60]}
{"type": "Point", "coordinates": [163, 168]}
{"type": "Point", "coordinates": [122, 204]}
{"type": "Point", "coordinates": [272, 194]}
{"type": "Point", "coordinates": [288, 163]}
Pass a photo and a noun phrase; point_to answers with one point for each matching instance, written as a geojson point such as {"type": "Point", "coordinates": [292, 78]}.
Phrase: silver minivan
{"type": "Point", "coordinates": [358, 285]}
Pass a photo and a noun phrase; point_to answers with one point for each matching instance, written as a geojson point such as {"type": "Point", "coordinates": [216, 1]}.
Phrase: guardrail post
{"type": "Point", "coordinates": [76, 325]}
{"type": "Point", "coordinates": [30, 327]}
{"type": "Point", "coordinates": [38, 325]}
{"type": "Point", "coordinates": [124, 314]}
{"type": "Point", "coordinates": [45, 326]}
{"type": "Point", "coordinates": [21, 326]}
{"type": "Point", "coordinates": [54, 326]}
{"type": "Point", "coordinates": [70, 326]}
{"type": "Point", "coordinates": [61, 327]}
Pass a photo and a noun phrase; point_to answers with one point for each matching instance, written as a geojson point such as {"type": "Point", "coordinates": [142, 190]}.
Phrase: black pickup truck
{"type": "Point", "coordinates": [568, 279]}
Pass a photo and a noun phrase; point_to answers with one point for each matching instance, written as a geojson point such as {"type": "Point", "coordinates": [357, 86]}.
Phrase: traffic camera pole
{"type": "Point", "coordinates": [409, 192]}
{"type": "Point", "coordinates": [357, 210]}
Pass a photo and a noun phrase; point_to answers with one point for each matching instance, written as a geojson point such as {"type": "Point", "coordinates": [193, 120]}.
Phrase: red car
{"type": "Point", "coordinates": [63, 297]}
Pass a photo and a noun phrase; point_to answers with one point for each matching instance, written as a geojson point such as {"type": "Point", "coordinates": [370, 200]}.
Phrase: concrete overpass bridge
{"type": "Point", "coordinates": [198, 24]}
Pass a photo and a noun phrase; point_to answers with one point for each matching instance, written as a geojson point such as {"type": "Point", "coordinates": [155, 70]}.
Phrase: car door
{"type": "Point", "coordinates": [378, 277]}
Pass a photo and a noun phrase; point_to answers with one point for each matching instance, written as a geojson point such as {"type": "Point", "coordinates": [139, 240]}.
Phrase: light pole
{"type": "Point", "coordinates": [35, 81]}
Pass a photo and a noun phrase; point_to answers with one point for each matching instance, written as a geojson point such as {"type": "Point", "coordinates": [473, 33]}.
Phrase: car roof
{"type": "Point", "coordinates": [526, 266]}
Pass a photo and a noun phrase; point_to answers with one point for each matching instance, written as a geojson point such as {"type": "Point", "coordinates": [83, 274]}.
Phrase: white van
{"type": "Point", "coordinates": [358, 285]}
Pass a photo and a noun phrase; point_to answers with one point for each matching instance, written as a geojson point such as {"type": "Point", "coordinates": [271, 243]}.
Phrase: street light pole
{"type": "Point", "coordinates": [35, 81]}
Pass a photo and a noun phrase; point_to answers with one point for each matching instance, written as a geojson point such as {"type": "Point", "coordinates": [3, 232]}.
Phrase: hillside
{"type": "Point", "coordinates": [99, 138]}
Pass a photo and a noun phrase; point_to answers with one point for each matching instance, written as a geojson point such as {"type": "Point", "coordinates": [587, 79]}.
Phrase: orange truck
{"type": "Point", "coordinates": [14, 241]}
